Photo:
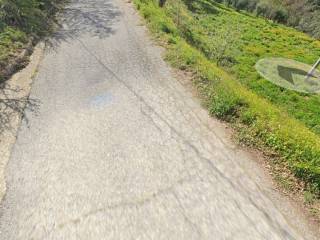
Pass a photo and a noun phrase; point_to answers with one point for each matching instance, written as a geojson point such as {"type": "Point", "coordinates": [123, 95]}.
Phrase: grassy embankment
{"type": "Point", "coordinates": [19, 21]}
{"type": "Point", "coordinates": [221, 46]}
{"type": "Point", "coordinates": [12, 42]}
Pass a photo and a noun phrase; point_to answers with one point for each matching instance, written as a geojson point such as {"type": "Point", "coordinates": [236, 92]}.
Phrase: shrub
{"type": "Point", "coordinates": [242, 4]}
{"type": "Point", "coordinates": [32, 16]}
{"type": "Point", "coordinates": [281, 15]}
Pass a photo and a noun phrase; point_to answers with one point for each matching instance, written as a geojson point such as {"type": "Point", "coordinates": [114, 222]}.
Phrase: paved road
{"type": "Point", "coordinates": [120, 150]}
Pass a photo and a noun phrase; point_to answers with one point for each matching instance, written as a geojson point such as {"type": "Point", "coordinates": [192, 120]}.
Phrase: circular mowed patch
{"type": "Point", "coordinates": [289, 74]}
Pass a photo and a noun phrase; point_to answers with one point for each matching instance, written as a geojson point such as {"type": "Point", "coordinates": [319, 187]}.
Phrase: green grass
{"type": "Point", "coordinates": [19, 20]}
{"type": "Point", "coordinates": [11, 42]}
{"type": "Point", "coordinates": [254, 39]}
{"type": "Point", "coordinates": [269, 116]}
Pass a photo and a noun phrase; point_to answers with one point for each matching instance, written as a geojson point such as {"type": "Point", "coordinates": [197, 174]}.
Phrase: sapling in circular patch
{"type": "Point", "coordinates": [291, 74]}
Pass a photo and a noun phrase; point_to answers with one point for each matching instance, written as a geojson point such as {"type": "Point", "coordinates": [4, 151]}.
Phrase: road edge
{"type": "Point", "coordinates": [23, 80]}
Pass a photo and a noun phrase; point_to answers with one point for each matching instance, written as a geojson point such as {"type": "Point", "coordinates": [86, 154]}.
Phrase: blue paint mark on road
{"type": "Point", "coordinates": [101, 100]}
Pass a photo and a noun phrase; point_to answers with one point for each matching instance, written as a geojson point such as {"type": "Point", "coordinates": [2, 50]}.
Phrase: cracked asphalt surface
{"type": "Point", "coordinates": [120, 150]}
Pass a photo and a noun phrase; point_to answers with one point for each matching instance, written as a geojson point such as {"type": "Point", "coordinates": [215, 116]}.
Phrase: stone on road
{"type": "Point", "coordinates": [120, 150]}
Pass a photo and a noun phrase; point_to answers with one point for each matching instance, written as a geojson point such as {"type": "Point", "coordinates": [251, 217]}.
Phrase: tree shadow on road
{"type": "Point", "coordinates": [94, 18]}
{"type": "Point", "coordinates": [13, 105]}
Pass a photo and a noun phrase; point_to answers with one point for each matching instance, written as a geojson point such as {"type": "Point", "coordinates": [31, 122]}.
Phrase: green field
{"type": "Point", "coordinates": [251, 39]}
{"type": "Point", "coordinates": [221, 47]}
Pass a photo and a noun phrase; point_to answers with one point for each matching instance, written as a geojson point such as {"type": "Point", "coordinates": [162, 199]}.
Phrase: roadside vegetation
{"type": "Point", "coordinates": [236, 41]}
{"type": "Point", "coordinates": [22, 23]}
{"type": "Point", "coordinates": [220, 46]}
{"type": "Point", "coordinates": [304, 15]}
{"type": "Point", "coordinates": [301, 14]}
{"type": "Point", "coordinates": [19, 21]}
{"type": "Point", "coordinates": [12, 42]}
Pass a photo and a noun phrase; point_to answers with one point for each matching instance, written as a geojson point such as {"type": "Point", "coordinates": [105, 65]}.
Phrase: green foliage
{"type": "Point", "coordinates": [240, 41]}
{"type": "Point", "coordinates": [31, 16]}
{"type": "Point", "coordinates": [19, 19]}
{"type": "Point", "coordinates": [309, 197]}
{"type": "Point", "coordinates": [10, 40]}
{"type": "Point", "coordinates": [236, 92]}
{"type": "Point", "coordinates": [303, 14]}
{"type": "Point", "coordinates": [223, 103]}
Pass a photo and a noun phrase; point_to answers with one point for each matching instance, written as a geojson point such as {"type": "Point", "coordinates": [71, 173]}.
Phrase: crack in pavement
{"type": "Point", "coordinates": [126, 204]}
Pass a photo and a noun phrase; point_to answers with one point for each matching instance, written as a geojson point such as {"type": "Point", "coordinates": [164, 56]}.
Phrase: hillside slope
{"type": "Point", "coordinates": [221, 46]}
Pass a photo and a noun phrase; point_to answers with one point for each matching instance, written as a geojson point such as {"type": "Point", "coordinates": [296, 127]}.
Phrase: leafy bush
{"type": "Point", "coordinates": [281, 15]}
